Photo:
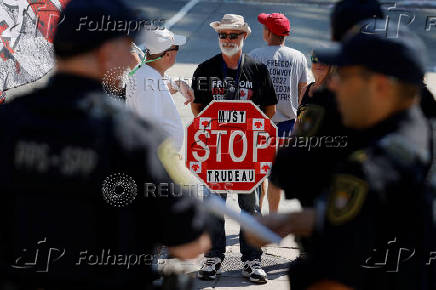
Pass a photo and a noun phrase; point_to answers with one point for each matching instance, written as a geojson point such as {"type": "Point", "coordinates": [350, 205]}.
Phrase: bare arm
{"type": "Point", "coordinates": [297, 223]}
{"type": "Point", "coordinates": [186, 91]}
{"type": "Point", "coordinates": [191, 250]}
{"type": "Point", "coordinates": [182, 87]}
{"type": "Point", "coordinates": [301, 90]}
{"type": "Point", "coordinates": [269, 110]}
{"type": "Point", "coordinates": [171, 88]}
{"type": "Point", "coordinates": [196, 108]}
{"type": "Point", "coordinates": [274, 193]}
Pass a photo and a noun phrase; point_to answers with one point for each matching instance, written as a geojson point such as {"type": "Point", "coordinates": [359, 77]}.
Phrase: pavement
{"type": "Point", "coordinates": [275, 258]}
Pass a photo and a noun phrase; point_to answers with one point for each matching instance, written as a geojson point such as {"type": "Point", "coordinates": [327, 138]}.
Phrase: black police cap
{"type": "Point", "coordinates": [86, 24]}
{"type": "Point", "coordinates": [348, 13]}
{"type": "Point", "coordinates": [402, 56]}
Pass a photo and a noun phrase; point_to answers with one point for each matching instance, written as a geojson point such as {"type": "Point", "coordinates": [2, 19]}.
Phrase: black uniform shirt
{"type": "Point", "coordinates": [77, 173]}
{"type": "Point", "coordinates": [376, 206]}
{"type": "Point", "coordinates": [318, 143]}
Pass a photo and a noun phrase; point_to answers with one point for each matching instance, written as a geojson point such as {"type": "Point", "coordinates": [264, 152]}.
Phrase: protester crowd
{"type": "Point", "coordinates": [65, 140]}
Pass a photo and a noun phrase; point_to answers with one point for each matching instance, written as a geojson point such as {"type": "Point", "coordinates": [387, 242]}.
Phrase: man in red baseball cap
{"type": "Point", "coordinates": [276, 23]}
{"type": "Point", "coordinates": [288, 71]}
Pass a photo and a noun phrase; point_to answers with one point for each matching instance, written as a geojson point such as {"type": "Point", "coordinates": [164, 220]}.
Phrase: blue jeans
{"type": "Point", "coordinates": [285, 128]}
{"type": "Point", "coordinates": [247, 202]}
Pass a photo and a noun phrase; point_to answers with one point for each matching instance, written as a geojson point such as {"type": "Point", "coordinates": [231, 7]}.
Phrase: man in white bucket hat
{"type": "Point", "coordinates": [149, 92]}
{"type": "Point", "coordinates": [232, 75]}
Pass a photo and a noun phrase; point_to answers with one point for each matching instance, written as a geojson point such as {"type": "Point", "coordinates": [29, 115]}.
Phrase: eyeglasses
{"type": "Point", "coordinates": [314, 59]}
{"type": "Point", "coordinates": [223, 35]}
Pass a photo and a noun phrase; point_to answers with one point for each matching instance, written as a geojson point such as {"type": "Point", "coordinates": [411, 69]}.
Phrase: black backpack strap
{"type": "Point", "coordinates": [430, 185]}
{"type": "Point", "coordinates": [241, 67]}
{"type": "Point", "coordinates": [431, 175]}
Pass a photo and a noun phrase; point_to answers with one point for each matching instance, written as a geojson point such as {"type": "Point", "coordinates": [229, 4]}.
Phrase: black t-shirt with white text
{"type": "Point", "coordinates": [213, 81]}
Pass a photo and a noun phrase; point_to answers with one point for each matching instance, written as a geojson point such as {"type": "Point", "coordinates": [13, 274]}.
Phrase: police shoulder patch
{"type": "Point", "coordinates": [359, 156]}
{"type": "Point", "coordinates": [347, 196]}
{"type": "Point", "coordinates": [309, 120]}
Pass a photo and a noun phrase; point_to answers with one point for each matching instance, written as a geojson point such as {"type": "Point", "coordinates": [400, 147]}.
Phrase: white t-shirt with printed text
{"type": "Point", "coordinates": [287, 67]}
{"type": "Point", "coordinates": [150, 98]}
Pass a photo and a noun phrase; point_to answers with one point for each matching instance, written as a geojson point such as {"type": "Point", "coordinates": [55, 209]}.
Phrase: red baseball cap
{"type": "Point", "coordinates": [277, 23]}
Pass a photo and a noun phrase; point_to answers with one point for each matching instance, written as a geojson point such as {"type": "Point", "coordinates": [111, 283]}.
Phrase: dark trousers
{"type": "Point", "coordinates": [247, 202]}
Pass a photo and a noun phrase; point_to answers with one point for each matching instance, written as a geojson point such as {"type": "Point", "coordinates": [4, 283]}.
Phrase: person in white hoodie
{"type": "Point", "coordinates": [149, 91]}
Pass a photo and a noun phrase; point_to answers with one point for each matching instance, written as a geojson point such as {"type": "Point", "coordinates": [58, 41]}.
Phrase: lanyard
{"type": "Point", "coordinates": [131, 73]}
{"type": "Point", "coordinates": [224, 69]}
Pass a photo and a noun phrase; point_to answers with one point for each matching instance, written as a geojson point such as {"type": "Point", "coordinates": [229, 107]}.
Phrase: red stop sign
{"type": "Point", "coordinates": [231, 146]}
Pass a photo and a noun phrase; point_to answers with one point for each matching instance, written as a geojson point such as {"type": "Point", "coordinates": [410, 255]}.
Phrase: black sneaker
{"type": "Point", "coordinates": [211, 267]}
{"type": "Point", "coordinates": [254, 272]}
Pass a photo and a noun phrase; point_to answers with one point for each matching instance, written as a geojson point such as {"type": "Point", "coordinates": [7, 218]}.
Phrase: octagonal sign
{"type": "Point", "coordinates": [231, 146]}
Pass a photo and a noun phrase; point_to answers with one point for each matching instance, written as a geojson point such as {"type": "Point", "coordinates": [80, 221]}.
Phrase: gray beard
{"type": "Point", "coordinates": [231, 51]}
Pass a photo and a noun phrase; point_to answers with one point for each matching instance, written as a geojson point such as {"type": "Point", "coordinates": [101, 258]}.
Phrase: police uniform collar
{"type": "Point", "coordinates": [392, 123]}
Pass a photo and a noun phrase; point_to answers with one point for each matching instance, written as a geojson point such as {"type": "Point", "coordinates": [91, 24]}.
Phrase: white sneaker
{"type": "Point", "coordinates": [254, 271]}
{"type": "Point", "coordinates": [211, 267]}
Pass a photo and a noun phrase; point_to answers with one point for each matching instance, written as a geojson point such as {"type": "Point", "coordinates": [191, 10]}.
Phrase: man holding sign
{"type": "Point", "coordinates": [233, 75]}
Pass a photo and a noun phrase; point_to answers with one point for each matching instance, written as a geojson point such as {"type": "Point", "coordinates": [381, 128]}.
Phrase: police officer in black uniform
{"type": "Point", "coordinates": [370, 225]}
{"type": "Point", "coordinates": [318, 120]}
{"type": "Point", "coordinates": [319, 140]}
{"type": "Point", "coordinates": [85, 183]}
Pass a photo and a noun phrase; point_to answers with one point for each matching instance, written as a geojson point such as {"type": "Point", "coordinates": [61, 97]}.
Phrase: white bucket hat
{"type": "Point", "coordinates": [159, 40]}
{"type": "Point", "coordinates": [232, 22]}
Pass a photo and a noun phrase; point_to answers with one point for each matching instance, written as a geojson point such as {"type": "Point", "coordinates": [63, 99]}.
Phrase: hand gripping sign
{"type": "Point", "coordinates": [231, 146]}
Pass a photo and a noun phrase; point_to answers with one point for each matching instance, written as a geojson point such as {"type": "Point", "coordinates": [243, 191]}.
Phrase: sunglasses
{"type": "Point", "coordinates": [223, 35]}
{"type": "Point", "coordinates": [314, 59]}
{"type": "Point", "coordinates": [176, 48]}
